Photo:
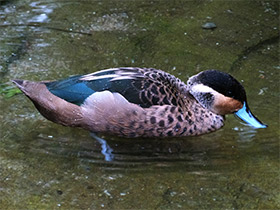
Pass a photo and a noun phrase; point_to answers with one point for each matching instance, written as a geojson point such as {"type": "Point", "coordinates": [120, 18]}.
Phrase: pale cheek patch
{"type": "Point", "coordinates": [204, 95]}
{"type": "Point", "coordinates": [202, 89]}
{"type": "Point", "coordinates": [222, 105]}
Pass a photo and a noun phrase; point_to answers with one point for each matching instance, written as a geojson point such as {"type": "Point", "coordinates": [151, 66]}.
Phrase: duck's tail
{"type": "Point", "coordinates": [50, 106]}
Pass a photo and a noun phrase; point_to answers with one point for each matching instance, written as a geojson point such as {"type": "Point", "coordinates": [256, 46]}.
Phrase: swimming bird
{"type": "Point", "coordinates": [141, 102]}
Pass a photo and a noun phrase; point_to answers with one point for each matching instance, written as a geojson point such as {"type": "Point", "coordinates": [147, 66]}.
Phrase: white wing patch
{"type": "Point", "coordinates": [93, 77]}
{"type": "Point", "coordinates": [122, 78]}
{"type": "Point", "coordinates": [105, 99]}
{"type": "Point", "coordinates": [106, 108]}
{"type": "Point", "coordinates": [116, 74]}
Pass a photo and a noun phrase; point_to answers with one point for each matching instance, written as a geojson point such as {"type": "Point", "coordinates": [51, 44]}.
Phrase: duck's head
{"type": "Point", "coordinates": [222, 94]}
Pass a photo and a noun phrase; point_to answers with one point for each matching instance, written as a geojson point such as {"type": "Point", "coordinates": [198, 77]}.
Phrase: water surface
{"type": "Point", "coordinates": [44, 165]}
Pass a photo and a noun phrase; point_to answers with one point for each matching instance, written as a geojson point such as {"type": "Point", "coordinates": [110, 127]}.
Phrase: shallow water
{"type": "Point", "coordinates": [44, 165]}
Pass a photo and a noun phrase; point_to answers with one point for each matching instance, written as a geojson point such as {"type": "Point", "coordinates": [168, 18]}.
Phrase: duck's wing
{"type": "Point", "coordinates": [142, 86]}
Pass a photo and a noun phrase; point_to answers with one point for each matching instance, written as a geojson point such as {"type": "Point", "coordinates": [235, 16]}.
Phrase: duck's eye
{"type": "Point", "coordinates": [208, 97]}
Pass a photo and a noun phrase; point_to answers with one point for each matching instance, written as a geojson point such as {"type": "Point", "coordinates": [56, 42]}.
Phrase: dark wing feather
{"type": "Point", "coordinates": [145, 87]}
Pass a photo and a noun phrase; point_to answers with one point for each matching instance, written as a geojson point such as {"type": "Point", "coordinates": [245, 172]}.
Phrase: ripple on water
{"type": "Point", "coordinates": [190, 154]}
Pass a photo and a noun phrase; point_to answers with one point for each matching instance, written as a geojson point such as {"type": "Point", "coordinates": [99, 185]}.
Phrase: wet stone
{"type": "Point", "coordinates": [209, 25]}
{"type": "Point", "coordinates": [59, 192]}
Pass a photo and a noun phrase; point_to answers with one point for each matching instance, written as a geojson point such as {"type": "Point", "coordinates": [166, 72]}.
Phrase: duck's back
{"type": "Point", "coordinates": [142, 86]}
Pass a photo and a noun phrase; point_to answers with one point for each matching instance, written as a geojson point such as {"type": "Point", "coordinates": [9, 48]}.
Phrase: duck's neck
{"type": "Point", "coordinates": [198, 119]}
{"type": "Point", "coordinates": [202, 120]}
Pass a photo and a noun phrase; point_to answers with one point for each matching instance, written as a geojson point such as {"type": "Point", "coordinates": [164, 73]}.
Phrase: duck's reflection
{"type": "Point", "coordinates": [116, 153]}
{"type": "Point", "coordinates": [245, 133]}
{"type": "Point", "coordinates": [106, 149]}
{"type": "Point", "coordinates": [144, 150]}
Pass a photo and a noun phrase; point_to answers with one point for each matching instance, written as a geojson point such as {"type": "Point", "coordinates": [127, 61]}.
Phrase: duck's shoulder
{"type": "Point", "coordinates": [156, 87]}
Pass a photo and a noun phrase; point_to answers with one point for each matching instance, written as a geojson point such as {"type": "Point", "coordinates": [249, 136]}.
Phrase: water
{"type": "Point", "coordinates": [44, 165]}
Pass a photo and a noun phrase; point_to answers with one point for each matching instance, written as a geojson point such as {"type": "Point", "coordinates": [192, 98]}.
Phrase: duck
{"type": "Point", "coordinates": [141, 102]}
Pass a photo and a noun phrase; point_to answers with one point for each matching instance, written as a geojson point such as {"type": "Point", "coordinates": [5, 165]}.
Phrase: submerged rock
{"type": "Point", "coordinates": [209, 25]}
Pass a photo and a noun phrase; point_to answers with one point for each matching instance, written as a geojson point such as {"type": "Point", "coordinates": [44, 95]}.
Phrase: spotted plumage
{"type": "Point", "coordinates": [141, 102]}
